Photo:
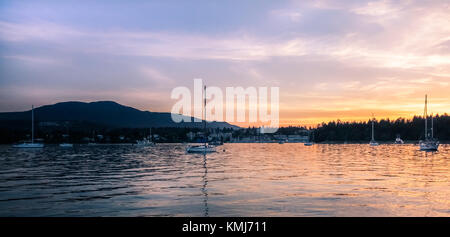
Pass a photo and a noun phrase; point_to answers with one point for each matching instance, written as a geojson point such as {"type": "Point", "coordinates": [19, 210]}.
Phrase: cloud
{"type": "Point", "coordinates": [377, 8]}
{"type": "Point", "coordinates": [413, 51]}
{"type": "Point", "coordinates": [384, 55]}
{"type": "Point", "coordinates": [33, 60]}
{"type": "Point", "coordinates": [156, 76]}
{"type": "Point", "coordinates": [47, 31]}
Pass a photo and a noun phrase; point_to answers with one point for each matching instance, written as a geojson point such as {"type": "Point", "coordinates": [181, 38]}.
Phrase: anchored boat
{"type": "Point", "coordinates": [146, 141]}
{"type": "Point", "coordinates": [398, 140]}
{"type": "Point", "coordinates": [30, 144]}
{"type": "Point", "coordinates": [205, 148]}
{"type": "Point", "coordinates": [310, 141]}
{"type": "Point", "coordinates": [372, 141]}
{"type": "Point", "coordinates": [429, 143]}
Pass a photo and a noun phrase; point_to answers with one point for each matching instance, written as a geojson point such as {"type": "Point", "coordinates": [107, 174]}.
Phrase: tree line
{"type": "Point", "coordinates": [334, 131]}
{"type": "Point", "coordinates": [385, 129]}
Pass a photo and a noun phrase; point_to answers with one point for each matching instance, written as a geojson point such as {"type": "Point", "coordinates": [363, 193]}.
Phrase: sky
{"type": "Point", "coordinates": [331, 59]}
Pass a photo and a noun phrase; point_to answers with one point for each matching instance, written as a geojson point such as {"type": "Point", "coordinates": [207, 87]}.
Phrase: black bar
{"type": "Point", "coordinates": [178, 225]}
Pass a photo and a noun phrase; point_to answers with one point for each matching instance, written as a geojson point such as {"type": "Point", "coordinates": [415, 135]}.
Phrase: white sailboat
{"type": "Point", "coordinates": [205, 148]}
{"type": "Point", "coordinates": [372, 141]}
{"type": "Point", "coordinates": [32, 144]}
{"type": "Point", "coordinates": [201, 149]}
{"type": "Point", "coordinates": [429, 143]}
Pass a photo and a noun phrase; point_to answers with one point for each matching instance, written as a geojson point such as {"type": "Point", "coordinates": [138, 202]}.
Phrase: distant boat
{"type": "Point", "coordinates": [205, 148]}
{"type": "Point", "coordinates": [30, 144]}
{"type": "Point", "coordinates": [66, 145]}
{"type": "Point", "coordinates": [430, 143]}
{"type": "Point", "coordinates": [372, 141]}
{"type": "Point", "coordinates": [398, 140]}
{"type": "Point", "coordinates": [310, 142]}
{"type": "Point", "coordinates": [145, 141]}
{"type": "Point", "coordinates": [216, 143]}
{"type": "Point", "coordinates": [201, 149]}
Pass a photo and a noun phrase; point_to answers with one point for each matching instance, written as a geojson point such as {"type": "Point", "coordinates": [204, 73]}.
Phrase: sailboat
{"type": "Point", "coordinates": [146, 141]}
{"type": "Point", "coordinates": [65, 144]}
{"type": "Point", "coordinates": [398, 140]}
{"type": "Point", "coordinates": [372, 141]}
{"type": "Point", "coordinates": [205, 148]}
{"type": "Point", "coordinates": [310, 142]}
{"type": "Point", "coordinates": [32, 144]}
{"type": "Point", "coordinates": [430, 143]}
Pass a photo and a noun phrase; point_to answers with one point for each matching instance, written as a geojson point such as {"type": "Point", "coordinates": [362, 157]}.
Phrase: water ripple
{"type": "Point", "coordinates": [239, 180]}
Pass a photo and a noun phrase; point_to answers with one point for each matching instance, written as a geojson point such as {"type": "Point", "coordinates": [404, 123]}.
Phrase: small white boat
{"type": "Point", "coordinates": [398, 140]}
{"type": "Point", "coordinates": [430, 143]}
{"type": "Point", "coordinates": [201, 149]}
{"type": "Point", "coordinates": [30, 144]}
{"type": "Point", "coordinates": [373, 143]}
{"type": "Point", "coordinates": [66, 145]}
{"type": "Point", "coordinates": [144, 142]}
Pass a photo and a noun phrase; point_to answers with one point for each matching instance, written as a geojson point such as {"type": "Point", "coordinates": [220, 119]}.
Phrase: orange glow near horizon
{"type": "Point", "coordinates": [381, 58]}
{"type": "Point", "coordinates": [290, 116]}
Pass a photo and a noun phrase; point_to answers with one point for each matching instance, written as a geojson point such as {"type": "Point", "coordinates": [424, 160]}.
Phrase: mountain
{"type": "Point", "coordinates": [105, 113]}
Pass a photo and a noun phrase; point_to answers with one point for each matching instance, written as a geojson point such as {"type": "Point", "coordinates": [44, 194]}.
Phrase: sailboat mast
{"type": "Point", "coordinates": [425, 118]}
{"type": "Point", "coordinates": [372, 130]}
{"type": "Point", "coordinates": [432, 128]}
{"type": "Point", "coordinates": [204, 112]}
{"type": "Point", "coordinates": [32, 123]}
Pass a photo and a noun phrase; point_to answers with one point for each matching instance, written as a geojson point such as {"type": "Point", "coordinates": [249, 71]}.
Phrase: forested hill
{"type": "Point", "coordinates": [102, 113]}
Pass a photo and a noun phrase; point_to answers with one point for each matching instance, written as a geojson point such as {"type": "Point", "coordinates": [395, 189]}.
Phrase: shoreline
{"type": "Point", "coordinates": [255, 142]}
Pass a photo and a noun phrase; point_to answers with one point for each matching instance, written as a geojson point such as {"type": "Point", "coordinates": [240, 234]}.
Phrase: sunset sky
{"type": "Point", "coordinates": [331, 59]}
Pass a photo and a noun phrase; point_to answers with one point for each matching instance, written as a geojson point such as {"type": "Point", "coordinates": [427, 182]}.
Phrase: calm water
{"type": "Point", "coordinates": [239, 180]}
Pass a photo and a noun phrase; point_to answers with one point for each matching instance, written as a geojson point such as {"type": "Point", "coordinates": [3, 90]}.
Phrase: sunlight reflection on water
{"type": "Point", "coordinates": [240, 180]}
